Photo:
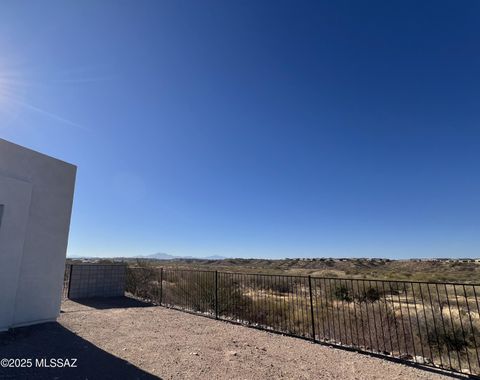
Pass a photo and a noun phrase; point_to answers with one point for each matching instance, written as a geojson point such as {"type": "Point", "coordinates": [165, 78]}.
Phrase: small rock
{"type": "Point", "coordinates": [194, 353]}
{"type": "Point", "coordinates": [420, 359]}
{"type": "Point", "coordinates": [232, 353]}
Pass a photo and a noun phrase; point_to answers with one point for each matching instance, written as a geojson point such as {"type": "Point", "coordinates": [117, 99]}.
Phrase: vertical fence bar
{"type": "Point", "coordinates": [478, 313]}
{"type": "Point", "coordinates": [69, 280]}
{"type": "Point", "coordinates": [161, 286]}
{"type": "Point", "coordinates": [411, 326]}
{"type": "Point", "coordinates": [462, 328]}
{"type": "Point", "coordinates": [472, 329]}
{"type": "Point", "coordinates": [216, 295]}
{"type": "Point", "coordinates": [311, 307]}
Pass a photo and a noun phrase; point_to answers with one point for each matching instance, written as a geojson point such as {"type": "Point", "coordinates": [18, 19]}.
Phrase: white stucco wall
{"type": "Point", "coordinates": [36, 192]}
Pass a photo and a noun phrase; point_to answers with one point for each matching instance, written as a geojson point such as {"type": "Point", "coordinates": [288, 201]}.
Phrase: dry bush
{"type": "Point", "coordinates": [143, 282]}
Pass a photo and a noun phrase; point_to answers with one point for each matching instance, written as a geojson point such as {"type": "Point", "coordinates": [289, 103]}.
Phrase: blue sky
{"type": "Point", "coordinates": [254, 128]}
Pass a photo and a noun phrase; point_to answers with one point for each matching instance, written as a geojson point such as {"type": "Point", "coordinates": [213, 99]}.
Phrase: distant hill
{"type": "Point", "coordinates": [214, 257]}
{"type": "Point", "coordinates": [161, 256]}
{"type": "Point", "coordinates": [155, 256]}
{"type": "Point", "coordinates": [444, 270]}
{"type": "Point", "coordinates": [166, 256]}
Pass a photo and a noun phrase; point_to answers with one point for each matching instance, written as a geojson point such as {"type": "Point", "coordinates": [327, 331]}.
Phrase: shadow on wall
{"type": "Point", "coordinates": [52, 340]}
{"type": "Point", "coordinates": [110, 303]}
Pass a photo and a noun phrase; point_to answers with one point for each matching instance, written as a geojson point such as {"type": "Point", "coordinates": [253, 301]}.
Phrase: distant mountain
{"type": "Point", "coordinates": [166, 256]}
{"type": "Point", "coordinates": [215, 257]}
{"type": "Point", "coordinates": [156, 256]}
{"type": "Point", "coordinates": [161, 256]}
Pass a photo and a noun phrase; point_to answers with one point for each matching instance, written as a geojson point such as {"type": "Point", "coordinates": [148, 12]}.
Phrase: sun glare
{"type": "Point", "coordinates": [11, 88]}
{"type": "Point", "coordinates": [9, 91]}
{"type": "Point", "coordinates": [15, 99]}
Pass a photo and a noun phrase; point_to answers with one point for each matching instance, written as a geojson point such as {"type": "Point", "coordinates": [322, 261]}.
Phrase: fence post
{"type": "Point", "coordinates": [161, 286]}
{"type": "Point", "coordinates": [69, 281]}
{"type": "Point", "coordinates": [311, 306]}
{"type": "Point", "coordinates": [216, 295]}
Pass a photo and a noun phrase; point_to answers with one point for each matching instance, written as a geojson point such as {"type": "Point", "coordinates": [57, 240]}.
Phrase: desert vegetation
{"type": "Point", "coordinates": [443, 270]}
{"type": "Point", "coordinates": [436, 324]}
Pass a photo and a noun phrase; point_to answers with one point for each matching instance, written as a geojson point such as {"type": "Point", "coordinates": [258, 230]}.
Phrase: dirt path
{"type": "Point", "coordinates": [171, 344]}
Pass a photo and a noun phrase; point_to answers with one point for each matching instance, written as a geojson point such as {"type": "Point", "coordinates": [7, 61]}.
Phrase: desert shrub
{"type": "Point", "coordinates": [329, 263]}
{"type": "Point", "coordinates": [196, 291]}
{"type": "Point", "coordinates": [143, 282]}
{"type": "Point", "coordinates": [190, 290]}
{"type": "Point", "coordinates": [393, 288]}
{"type": "Point", "coordinates": [280, 314]}
{"type": "Point", "coordinates": [369, 295]}
{"type": "Point", "coordinates": [331, 274]}
{"type": "Point", "coordinates": [282, 286]}
{"type": "Point", "coordinates": [450, 336]}
{"type": "Point", "coordinates": [372, 295]}
{"type": "Point", "coordinates": [342, 293]}
{"type": "Point", "coordinates": [452, 339]}
{"type": "Point", "coordinates": [374, 326]}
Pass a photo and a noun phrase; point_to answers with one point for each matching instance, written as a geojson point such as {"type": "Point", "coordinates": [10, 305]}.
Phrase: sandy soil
{"type": "Point", "coordinates": [118, 340]}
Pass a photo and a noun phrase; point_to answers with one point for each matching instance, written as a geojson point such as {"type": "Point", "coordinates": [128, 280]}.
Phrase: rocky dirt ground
{"type": "Point", "coordinates": [126, 339]}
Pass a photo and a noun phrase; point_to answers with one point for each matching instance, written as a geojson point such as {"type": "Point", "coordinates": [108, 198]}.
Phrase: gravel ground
{"type": "Point", "coordinates": [118, 340]}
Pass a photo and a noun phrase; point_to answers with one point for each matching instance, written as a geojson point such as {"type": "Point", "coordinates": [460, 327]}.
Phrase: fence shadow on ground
{"type": "Point", "coordinates": [111, 302]}
{"type": "Point", "coordinates": [52, 340]}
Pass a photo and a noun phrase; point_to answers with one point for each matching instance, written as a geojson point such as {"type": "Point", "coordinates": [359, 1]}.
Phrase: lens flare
{"type": "Point", "coordinates": [16, 88]}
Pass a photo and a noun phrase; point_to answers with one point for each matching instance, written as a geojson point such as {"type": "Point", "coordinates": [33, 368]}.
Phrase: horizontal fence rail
{"type": "Point", "coordinates": [432, 324]}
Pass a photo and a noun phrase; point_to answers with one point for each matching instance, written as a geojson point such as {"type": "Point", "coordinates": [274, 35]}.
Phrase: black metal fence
{"type": "Point", "coordinates": [433, 324]}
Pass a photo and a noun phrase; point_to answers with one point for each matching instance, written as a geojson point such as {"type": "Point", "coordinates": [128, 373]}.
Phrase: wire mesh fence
{"type": "Point", "coordinates": [66, 280]}
{"type": "Point", "coordinates": [94, 280]}
{"type": "Point", "coordinates": [433, 324]}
